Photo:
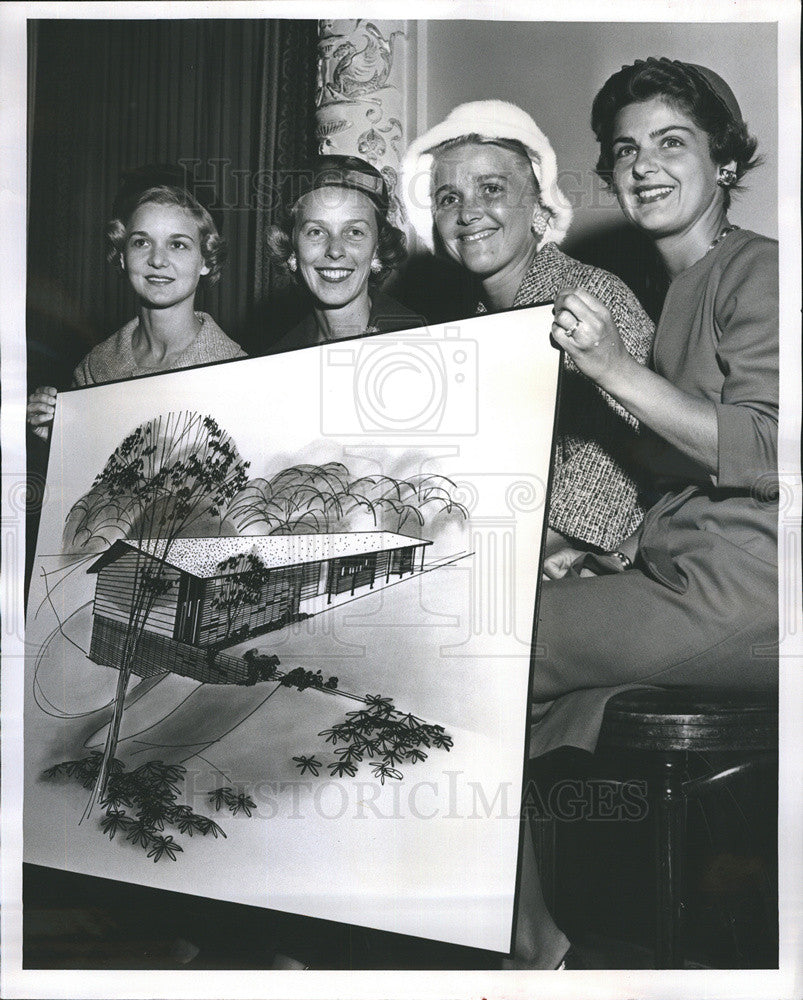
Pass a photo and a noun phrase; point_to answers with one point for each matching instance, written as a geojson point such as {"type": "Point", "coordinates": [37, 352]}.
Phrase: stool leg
{"type": "Point", "coordinates": [542, 831]}
{"type": "Point", "coordinates": [670, 846]}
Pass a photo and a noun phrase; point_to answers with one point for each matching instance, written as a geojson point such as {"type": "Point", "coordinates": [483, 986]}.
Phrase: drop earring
{"type": "Point", "coordinates": [292, 263]}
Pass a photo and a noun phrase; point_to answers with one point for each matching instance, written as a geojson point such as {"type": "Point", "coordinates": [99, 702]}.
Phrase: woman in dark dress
{"type": "Point", "coordinates": [699, 577]}
{"type": "Point", "coordinates": [692, 597]}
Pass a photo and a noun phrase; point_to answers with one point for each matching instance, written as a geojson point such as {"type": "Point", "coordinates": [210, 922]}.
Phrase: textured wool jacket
{"type": "Point", "coordinates": [597, 481]}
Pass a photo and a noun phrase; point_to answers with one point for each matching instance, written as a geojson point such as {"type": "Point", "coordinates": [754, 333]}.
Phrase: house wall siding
{"type": "Point", "coordinates": [114, 591]}
{"type": "Point", "coordinates": [382, 563]}
{"type": "Point", "coordinates": [278, 597]}
{"type": "Point", "coordinates": [311, 580]}
{"type": "Point", "coordinates": [157, 654]}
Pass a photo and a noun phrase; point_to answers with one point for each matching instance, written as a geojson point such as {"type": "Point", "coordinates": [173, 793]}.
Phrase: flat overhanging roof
{"type": "Point", "coordinates": [201, 557]}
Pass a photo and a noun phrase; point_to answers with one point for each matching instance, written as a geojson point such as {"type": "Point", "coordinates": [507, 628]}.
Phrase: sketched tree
{"type": "Point", "coordinates": [298, 499]}
{"type": "Point", "coordinates": [414, 499]}
{"type": "Point", "coordinates": [324, 498]}
{"type": "Point", "coordinates": [166, 476]}
{"type": "Point", "coordinates": [241, 585]}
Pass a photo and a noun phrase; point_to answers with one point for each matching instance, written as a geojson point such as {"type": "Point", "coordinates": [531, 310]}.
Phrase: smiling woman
{"type": "Point", "coordinates": [482, 187]}
{"type": "Point", "coordinates": [162, 254]}
{"type": "Point", "coordinates": [338, 244]}
{"type": "Point", "coordinates": [691, 598]}
{"type": "Point", "coordinates": [166, 243]}
{"type": "Point", "coordinates": [662, 171]}
{"type": "Point", "coordinates": [336, 239]}
{"type": "Point", "coordinates": [484, 206]}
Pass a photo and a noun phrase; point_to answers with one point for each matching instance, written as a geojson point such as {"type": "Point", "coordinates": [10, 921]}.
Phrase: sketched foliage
{"type": "Point", "coordinates": [326, 498]}
{"type": "Point", "coordinates": [235, 802]}
{"type": "Point", "coordinates": [166, 475]}
{"type": "Point", "coordinates": [242, 580]}
{"type": "Point", "coordinates": [380, 735]}
{"type": "Point", "coordinates": [140, 804]}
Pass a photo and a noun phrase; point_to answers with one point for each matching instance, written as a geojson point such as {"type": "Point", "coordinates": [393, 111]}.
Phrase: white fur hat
{"type": "Point", "coordinates": [490, 120]}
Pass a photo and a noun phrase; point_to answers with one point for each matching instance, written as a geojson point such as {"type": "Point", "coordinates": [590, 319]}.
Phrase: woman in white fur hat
{"type": "Point", "coordinates": [482, 186]}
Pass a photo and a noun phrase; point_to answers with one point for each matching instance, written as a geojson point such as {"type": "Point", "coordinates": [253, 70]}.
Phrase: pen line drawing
{"type": "Point", "coordinates": [170, 600]}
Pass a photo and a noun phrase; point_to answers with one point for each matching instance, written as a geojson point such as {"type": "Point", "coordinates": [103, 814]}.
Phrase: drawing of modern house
{"type": "Point", "coordinates": [187, 622]}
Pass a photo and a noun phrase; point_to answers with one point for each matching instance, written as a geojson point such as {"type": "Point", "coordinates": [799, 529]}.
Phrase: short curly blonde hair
{"type": "Point", "coordinates": [213, 245]}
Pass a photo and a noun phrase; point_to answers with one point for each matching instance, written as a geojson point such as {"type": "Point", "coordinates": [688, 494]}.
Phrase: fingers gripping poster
{"type": "Point", "coordinates": [278, 633]}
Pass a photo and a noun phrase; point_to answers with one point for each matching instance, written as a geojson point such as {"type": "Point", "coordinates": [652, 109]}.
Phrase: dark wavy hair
{"type": "Point", "coordinates": [213, 245]}
{"type": "Point", "coordinates": [391, 248]}
{"type": "Point", "coordinates": [686, 87]}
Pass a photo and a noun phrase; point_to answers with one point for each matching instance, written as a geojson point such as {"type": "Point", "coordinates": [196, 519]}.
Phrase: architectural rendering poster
{"type": "Point", "coordinates": [177, 606]}
{"type": "Point", "coordinates": [278, 642]}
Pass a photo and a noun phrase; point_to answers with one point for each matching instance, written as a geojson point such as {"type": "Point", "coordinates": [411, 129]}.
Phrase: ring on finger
{"type": "Point", "coordinates": [574, 329]}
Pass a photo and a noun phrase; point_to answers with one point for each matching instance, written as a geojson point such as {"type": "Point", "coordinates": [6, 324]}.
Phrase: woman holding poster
{"type": "Point", "coordinates": [165, 242]}
{"type": "Point", "coordinates": [692, 597]}
{"type": "Point", "coordinates": [699, 577]}
{"type": "Point", "coordinates": [482, 186]}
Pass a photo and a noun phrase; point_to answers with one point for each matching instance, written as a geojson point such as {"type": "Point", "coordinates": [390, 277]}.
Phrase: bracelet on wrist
{"type": "Point", "coordinates": [625, 561]}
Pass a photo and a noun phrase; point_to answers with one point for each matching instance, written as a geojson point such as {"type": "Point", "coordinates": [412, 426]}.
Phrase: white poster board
{"type": "Point", "coordinates": [411, 470]}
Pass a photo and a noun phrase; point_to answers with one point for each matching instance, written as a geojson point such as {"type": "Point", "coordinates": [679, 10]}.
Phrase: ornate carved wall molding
{"type": "Point", "coordinates": [365, 93]}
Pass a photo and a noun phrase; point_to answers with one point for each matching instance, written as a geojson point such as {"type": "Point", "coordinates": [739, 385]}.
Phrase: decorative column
{"type": "Point", "coordinates": [365, 94]}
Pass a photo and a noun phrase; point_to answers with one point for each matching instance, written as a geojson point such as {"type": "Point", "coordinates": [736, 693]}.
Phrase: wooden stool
{"type": "Point", "coordinates": [669, 725]}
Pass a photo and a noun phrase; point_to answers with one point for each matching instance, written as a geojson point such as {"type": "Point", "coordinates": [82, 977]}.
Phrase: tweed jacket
{"type": "Point", "coordinates": [597, 484]}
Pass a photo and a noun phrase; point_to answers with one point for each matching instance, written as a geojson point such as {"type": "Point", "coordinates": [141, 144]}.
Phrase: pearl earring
{"type": "Point", "coordinates": [539, 223]}
{"type": "Point", "coordinates": [292, 263]}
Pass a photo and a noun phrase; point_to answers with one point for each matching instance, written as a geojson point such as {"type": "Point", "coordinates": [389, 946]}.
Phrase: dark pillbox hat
{"type": "Point", "coordinates": [709, 80]}
{"type": "Point", "coordinates": [721, 89]}
{"type": "Point", "coordinates": [138, 180]}
{"type": "Point", "coordinates": [347, 172]}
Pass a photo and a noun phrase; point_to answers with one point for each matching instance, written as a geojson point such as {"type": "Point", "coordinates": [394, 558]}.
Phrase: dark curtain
{"type": "Point", "coordinates": [231, 101]}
